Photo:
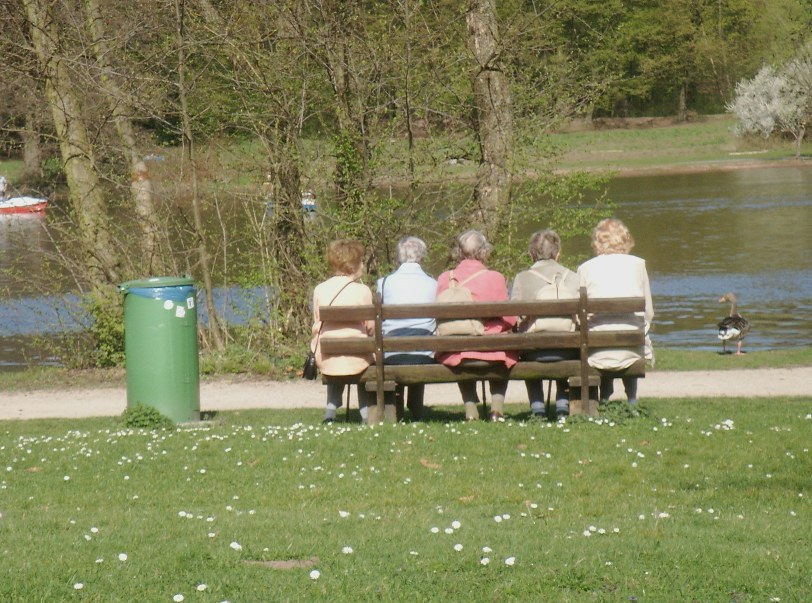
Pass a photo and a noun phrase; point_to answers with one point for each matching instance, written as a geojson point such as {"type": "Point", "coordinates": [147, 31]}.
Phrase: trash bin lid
{"type": "Point", "coordinates": [156, 282]}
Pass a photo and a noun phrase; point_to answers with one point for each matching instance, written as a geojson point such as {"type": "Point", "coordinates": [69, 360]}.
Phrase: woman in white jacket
{"type": "Point", "coordinates": [615, 273]}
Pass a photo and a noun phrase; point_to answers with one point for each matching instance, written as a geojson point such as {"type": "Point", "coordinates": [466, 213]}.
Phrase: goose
{"type": "Point", "coordinates": [734, 326]}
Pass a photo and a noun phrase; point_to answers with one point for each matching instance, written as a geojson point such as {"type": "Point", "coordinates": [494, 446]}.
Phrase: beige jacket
{"type": "Point", "coordinates": [527, 284]}
{"type": "Point", "coordinates": [618, 275]}
{"type": "Point", "coordinates": [353, 294]}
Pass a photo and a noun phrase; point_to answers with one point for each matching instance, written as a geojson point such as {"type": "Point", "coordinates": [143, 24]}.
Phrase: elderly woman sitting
{"type": "Point", "coordinates": [486, 285]}
{"type": "Point", "coordinates": [613, 272]}
{"type": "Point", "coordinates": [409, 284]}
{"type": "Point", "coordinates": [346, 259]}
{"type": "Point", "coordinates": [545, 251]}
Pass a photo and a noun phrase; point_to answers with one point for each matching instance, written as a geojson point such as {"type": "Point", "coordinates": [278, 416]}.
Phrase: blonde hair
{"type": "Point", "coordinates": [345, 257]}
{"type": "Point", "coordinates": [611, 236]}
{"type": "Point", "coordinates": [472, 245]}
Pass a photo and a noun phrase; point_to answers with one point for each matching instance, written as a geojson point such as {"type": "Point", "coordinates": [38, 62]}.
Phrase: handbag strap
{"type": "Point", "coordinates": [544, 278]}
{"type": "Point", "coordinates": [321, 326]}
{"type": "Point", "coordinates": [451, 277]}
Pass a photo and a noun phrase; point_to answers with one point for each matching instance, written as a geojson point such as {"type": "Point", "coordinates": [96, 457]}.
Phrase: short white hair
{"type": "Point", "coordinates": [411, 249]}
{"type": "Point", "coordinates": [473, 245]}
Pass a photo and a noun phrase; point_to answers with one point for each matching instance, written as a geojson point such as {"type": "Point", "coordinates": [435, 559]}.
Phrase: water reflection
{"type": "Point", "coordinates": [22, 239]}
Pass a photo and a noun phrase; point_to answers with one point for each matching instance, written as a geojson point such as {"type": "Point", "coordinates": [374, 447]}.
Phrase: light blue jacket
{"type": "Point", "coordinates": [409, 284]}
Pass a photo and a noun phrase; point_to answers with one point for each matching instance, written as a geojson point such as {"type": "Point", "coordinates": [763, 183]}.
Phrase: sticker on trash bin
{"type": "Point", "coordinates": [180, 312]}
{"type": "Point", "coordinates": [169, 304]}
{"type": "Point", "coordinates": [190, 302]}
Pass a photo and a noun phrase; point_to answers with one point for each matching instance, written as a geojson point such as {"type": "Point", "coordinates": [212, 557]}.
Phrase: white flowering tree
{"type": "Point", "coordinates": [776, 100]}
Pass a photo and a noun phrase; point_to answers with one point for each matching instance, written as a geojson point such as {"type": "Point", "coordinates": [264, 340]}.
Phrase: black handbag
{"type": "Point", "coordinates": [309, 371]}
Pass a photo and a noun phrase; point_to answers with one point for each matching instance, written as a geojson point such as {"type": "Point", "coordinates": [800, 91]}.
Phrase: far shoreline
{"type": "Point", "coordinates": [716, 165]}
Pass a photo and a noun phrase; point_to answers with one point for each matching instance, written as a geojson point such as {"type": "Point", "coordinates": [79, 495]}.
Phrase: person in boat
{"type": "Point", "coordinates": [3, 186]}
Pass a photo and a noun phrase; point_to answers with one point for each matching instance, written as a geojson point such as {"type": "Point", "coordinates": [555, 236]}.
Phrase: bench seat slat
{"type": "Point", "coordinates": [508, 341]}
{"type": "Point", "coordinates": [438, 373]}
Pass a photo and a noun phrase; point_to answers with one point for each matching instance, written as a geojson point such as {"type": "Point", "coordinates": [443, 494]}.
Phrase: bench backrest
{"type": "Point", "coordinates": [582, 340]}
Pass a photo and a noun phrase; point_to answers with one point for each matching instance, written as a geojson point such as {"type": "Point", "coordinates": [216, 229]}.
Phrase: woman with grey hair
{"type": "Point", "coordinates": [473, 250]}
{"type": "Point", "coordinates": [557, 282]}
{"type": "Point", "coordinates": [409, 284]}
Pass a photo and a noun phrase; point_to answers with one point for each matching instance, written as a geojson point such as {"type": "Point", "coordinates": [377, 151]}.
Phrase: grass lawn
{"type": "Point", "coordinates": [697, 500]}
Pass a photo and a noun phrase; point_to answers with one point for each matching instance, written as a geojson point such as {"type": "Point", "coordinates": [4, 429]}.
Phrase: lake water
{"type": "Point", "coordinates": [702, 235]}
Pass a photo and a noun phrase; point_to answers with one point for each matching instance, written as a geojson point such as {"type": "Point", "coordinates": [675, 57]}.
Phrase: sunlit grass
{"type": "Point", "coordinates": [11, 169]}
{"type": "Point", "coordinates": [689, 360]}
{"type": "Point", "coordinates": [700, 499]}
{"type": "Point", "coordinates": [709, 139]}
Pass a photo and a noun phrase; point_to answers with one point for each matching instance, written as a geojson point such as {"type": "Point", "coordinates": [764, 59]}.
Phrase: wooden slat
{"type": "Point", "coordinates": [485, 343]}
{"type": "Point", "coordinates": [438, 373]}
{"type": "Point", "coordinates": [343, 314]}
{"type": "Point", "coordinates": [618, 305]}
{"type": "Point", "coordinates": [482, 309]}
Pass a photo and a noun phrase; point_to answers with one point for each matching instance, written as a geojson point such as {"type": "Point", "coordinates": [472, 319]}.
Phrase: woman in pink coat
{"type": "Point", "coordinates": [485, 285]}
{"type": "Point", "coordinates": [346, 258]}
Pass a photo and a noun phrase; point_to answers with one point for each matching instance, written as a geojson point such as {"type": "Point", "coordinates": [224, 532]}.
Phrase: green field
{"type": "Point", "coordinates": [699, 500]}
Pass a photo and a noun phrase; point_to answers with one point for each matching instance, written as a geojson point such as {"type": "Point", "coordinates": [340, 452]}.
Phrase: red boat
{"type": "Point", "coordinates": [22, 205]}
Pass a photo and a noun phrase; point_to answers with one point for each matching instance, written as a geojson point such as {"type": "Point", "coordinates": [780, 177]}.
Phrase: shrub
{"type": "Point", "coordinates": [140, 416]}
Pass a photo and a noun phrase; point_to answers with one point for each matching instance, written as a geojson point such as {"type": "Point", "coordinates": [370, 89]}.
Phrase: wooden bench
{"type": "Point", "coordinates": [583, 379]}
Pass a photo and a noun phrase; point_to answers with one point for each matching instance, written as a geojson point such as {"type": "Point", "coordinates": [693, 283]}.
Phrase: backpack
{"type": "Point", "coordinates": [552, 290]}
{"type": "Point", "coordinates": [458, 294]}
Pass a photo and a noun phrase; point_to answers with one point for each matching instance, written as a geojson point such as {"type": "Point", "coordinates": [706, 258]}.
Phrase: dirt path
{"type": "Point", "coordinates": [225, 395]}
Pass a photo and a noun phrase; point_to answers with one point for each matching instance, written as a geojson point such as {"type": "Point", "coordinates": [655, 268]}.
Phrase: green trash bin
{"type": "Point", "coordinates": [160, 346]}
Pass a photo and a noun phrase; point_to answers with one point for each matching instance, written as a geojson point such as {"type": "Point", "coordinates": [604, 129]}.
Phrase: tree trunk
{"type": "Point", "coordinates": [141, 190]}
{"type": "Point", "coordinates": [799, 138]}
{"type": "Point", "coordinates": [86, 192]}
{"type": "Point", "coordinates": [189, 153]}
{"type": "Point", "coordinates": [32, 149]}
{"type": "Point", "coordinates": [493, 117]}
{"type": "Point", "coordinates": [352, 177]}
{"type": "Point", "coordinates": [682, 111]}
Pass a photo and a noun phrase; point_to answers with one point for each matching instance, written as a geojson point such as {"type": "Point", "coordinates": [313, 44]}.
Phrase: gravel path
{"type": "Point", "coordinates": [222, 395]}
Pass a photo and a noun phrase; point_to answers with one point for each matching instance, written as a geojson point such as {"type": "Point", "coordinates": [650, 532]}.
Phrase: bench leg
{"type": "Point", "coordinates": [414, 401]}
{"type": "Point", "coordinates": [577, 407]}
{"type": "Point", "coordinates": [390, 413]}
{"type": "Point", "coordinates": [400, 395]}
{"type": "Point", "coordinates": [380, 411]}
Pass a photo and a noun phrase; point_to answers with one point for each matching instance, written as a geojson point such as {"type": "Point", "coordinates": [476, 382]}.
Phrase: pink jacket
{"type": "Point", "coordinates": [488, 286]}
